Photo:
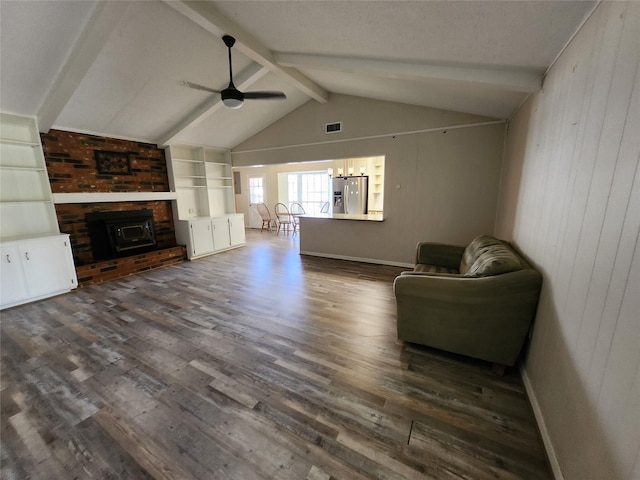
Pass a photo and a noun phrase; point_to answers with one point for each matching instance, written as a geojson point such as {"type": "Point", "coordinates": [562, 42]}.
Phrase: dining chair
{"type": "Point", "coordinates": [285, 221]}
{"type": "Point", "coordinates": [265, 214]}
{"type": "Point", "coordinates": [296, 210]}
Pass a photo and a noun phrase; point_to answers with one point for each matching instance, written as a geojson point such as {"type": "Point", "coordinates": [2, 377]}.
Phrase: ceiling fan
{"type": "Point", "coordinates": [231, 96]}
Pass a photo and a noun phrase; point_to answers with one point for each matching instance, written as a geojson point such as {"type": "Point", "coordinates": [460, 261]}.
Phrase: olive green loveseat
{"type": "Point", "coordinates": [477, 300]}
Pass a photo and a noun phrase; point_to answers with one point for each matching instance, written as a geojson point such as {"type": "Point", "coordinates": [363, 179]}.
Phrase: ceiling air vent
{"type": "Point", "coordinates": [333, 127]}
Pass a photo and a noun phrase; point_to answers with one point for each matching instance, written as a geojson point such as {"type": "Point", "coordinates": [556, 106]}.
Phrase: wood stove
{"type": "Point", "coordinates": [121, 233]}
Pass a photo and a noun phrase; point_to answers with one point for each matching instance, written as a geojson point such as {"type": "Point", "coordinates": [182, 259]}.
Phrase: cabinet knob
{"type": "Point", "coordinates": [8, 258]}
{"type": "Point", "coordinates": [26, 255]}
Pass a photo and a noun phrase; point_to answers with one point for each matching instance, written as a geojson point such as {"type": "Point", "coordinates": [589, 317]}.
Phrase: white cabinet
{"type": "Point", "coordinates": [221, 234]}
{"type": "Point", "coordinates": [236, 229]}
{"type": "Point", "coordinates": [204, 211]}
{"type": "Point", "coordinates": [36, 268]}
{"type": "Point", "coordinates": [201, 238]}
{"type": "Point", "coordinates": [14, 285]}
{"type": "Point", "coordinates": [204, 236]}
{"type": "Point", "coordinates": [228, 231]}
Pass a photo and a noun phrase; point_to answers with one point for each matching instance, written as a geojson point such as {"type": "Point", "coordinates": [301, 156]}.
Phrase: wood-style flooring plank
{"type": "Point", "coordinates": [256, 363]}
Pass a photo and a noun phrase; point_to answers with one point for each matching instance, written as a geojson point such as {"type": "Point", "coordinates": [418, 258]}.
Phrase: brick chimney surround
{"type": "Point", "coordinates": [71, 160]}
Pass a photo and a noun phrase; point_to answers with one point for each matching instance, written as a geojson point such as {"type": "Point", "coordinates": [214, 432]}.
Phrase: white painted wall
{"type": "Point", "coordinates": [440, 185]}
{"type": "Point", "coordinates": [571, 201]}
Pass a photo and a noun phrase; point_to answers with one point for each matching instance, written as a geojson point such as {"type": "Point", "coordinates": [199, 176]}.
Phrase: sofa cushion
{"type": "Point", "coordinates": [486, 256]}
{"type": "Point", "coordinates": [422, 268]}
{"type": "Point", "coordinates": [474, 249]}
{"type": "Point", "coordinates": [494, 260]}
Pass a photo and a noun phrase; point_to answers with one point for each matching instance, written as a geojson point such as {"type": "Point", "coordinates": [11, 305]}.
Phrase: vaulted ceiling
{"type": "Point", "coordinates": [116, 68]}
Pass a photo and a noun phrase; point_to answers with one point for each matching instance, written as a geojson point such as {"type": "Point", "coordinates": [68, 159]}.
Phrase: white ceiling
{"type": "Point", "coordinates": [115, 68]}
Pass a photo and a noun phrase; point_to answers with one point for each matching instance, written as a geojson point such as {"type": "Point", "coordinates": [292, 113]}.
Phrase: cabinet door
{"type": "Point", "coordinates": [236, 229]}
{"type": "Point", "coordinates": [14, 287]}
{"type": "Point", "coordinates": [46, 266]}
{"type": "Point", "coordinates": [201, 238]}
{"type": "Point", "coordinates": [221, 237]}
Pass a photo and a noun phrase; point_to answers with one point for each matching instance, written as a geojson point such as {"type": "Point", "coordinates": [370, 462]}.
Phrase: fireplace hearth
{"type": "Point", "coordinates": [119, 234]}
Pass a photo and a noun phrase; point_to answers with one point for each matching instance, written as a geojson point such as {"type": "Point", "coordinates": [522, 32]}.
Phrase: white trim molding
{"type": "Point", "coordinates": [103, 197]}
{"type": "Point", "coordinates": [542, 426]}
{"type": "Point", "coordinates": [357, 259]}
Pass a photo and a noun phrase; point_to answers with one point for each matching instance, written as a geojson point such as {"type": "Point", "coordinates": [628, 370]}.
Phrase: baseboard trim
{"type": "Point", "coordinates": [357, 259]}
{"type": "Point", "coordinates": [542, 426]}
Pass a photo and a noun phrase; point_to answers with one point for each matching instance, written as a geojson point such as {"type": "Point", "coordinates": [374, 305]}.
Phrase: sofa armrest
{"type": "Point", "coordinates": [439, 254]}
{"type": "Point", "coordinates": [483, 317]}
{"type": "Point", "coordinates": [461, 289]}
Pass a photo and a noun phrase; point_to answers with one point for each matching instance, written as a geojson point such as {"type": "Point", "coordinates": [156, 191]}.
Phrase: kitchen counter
{"type": "Point", "coordinates": [370, 217]}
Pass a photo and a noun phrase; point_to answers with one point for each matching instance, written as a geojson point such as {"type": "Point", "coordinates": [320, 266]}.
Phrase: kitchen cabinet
{"type": "Point", "coordinates": [376, 186]}
{"type": "Point", "coordinates": [36, 268]}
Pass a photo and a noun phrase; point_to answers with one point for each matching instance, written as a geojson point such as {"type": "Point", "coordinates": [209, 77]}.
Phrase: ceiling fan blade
{"type": "Point", "coordinates": [231, 96]}
{"type": "Point", "coordinates": [199, 87]}
{"type": "Point", "coordinates": [264, 95]}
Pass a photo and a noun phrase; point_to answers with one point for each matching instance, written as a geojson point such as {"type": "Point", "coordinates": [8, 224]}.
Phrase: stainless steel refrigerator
{"type": "Point", "coordinates": [350, 194]}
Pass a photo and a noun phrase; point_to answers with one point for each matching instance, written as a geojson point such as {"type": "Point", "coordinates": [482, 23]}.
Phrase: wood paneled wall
{"type": "Point", "coordinates": [570, 200]}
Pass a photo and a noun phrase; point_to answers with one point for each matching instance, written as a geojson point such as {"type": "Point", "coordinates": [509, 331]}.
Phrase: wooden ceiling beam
{"type": "Point", "coordinates": [84, 52]}
{"type": "Point", "coordinates": [502, 78]}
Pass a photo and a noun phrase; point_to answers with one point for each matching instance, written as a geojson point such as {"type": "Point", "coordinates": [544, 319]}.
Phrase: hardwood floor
{"type": "Point", "coordinates": [251, 364]}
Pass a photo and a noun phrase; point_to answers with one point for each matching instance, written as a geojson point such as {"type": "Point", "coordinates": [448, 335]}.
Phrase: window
{"type": "Point", "coordinates": [256, 190]}
{"type": "Point", "coordinates": [310, 189]}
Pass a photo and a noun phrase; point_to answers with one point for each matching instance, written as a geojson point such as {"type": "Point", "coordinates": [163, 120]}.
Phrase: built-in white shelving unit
{"type": "Point", "coordinates": [376, 187]}
{"type": "Point", "coordinates": [28, 222]}
{"type": "Point", "coordinates": [373, 167]}
{"type": "Point", "coordinates": [26, 204]}
{"type": "Point", "coordinates": [204, 210]}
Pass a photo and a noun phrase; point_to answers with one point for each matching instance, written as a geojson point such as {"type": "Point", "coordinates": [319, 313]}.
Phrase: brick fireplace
{"type": "Point", "coordinates": [74, 166]}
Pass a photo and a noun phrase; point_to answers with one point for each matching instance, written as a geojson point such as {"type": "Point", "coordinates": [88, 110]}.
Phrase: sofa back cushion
{"type": "Point", "coordinates": [486, 256]}
{"type": "Point", "coordinates": [474, 249]}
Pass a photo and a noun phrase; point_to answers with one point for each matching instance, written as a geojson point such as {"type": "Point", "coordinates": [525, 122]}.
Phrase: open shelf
{"type": "Point", "coordinates": [25, 194]}
{"type": "Point", "coordinates": [201, 176]}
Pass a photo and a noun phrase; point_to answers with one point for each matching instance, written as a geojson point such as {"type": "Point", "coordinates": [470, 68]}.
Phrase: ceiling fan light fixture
{"type": "Point", "coordinates": [232, 102]}
{"type": "Point", "coordinates": [231, 96]}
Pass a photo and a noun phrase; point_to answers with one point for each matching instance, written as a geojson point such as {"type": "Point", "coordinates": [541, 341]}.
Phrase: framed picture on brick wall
{"type": "Point", "coordinates": [112, 163]}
